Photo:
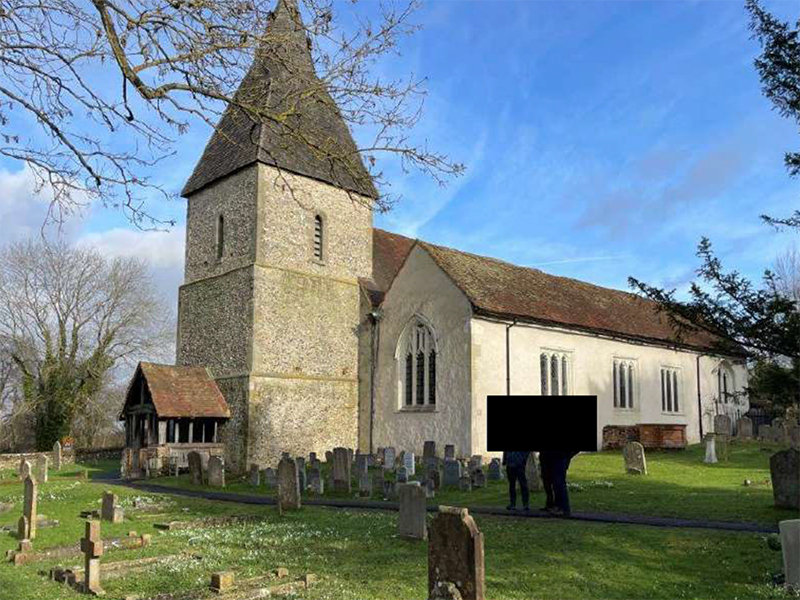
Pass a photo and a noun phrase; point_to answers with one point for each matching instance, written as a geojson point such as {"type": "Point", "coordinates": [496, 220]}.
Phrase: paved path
{"type": "Point", "coordinates": [479, 510]}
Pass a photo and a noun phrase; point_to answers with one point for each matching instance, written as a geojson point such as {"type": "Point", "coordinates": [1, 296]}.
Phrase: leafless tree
{"type": "Point", "coordinates": [95, 93]}
{"type": "Point", "coordinates": [787, 273]}
{"type": "Point", "coordinates": [69, 315]}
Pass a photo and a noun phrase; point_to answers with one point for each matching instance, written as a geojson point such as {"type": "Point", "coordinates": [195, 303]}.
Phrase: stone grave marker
{"type": "Point", "coordinates": [784, 469]}
{"type": "Point", "coordinates": [436, 476]}
{"type": "Point", "coordinates": [92, 548]}
{"type": "Point", "coordinates": [57, 456]}
{"type": "Point", "coordinates": [744, 428]}
{"type": "Point", "coordinates": [255, 475]}
{"type": "Point", "coordinates": [216, 471]}
{"type": "Point", "coordinates": [430, 489]}
{"type": "Point", "coordinates": [465, 483]}
{"type": "Point", "coordinates": [195, 467]}
{"type": "Point", "coordinates": [790, 547]}
{"type": "Point", "coordinates": [635, 462]}
{"type": "Point", "coordinates": [341, 470]}
{"type": "Point", "coordinates": [794, 435]}
{"type": "Point", "coordinates": [288, 485]}
{"type": "Point", "coordinates": [349, 455]}
{"type": "Point", "coordinates": [452, 472]}
{"type": "Point", "coordinates": [765, 433]}
{"type": "Point", "coordinates": [429, 449]}
{"type": "Point", "coordinates": [23, 529]}
{"type": "Point", "coordinates": [41, 468]}
{"type": "Point", "coordinates": [302, 479]}
{"type": "Point", "coordinates": [711, 449]}
{"type": "Point", "coordinates": [479, 479]}
{"type": "Point", "coordinates": [389, 488]}
{"type": "Point", "coordinates": [389, 457]}
{"type": "Point", "coordinates": [29, 506]}
{"type": "Point", "coordinates": [408, 463]}
{"type": "Point", "coordinates": [361, 465]}
{"type": "Point", "coordinates": [222, 582]}
{"type": "Point", "coordinates": [723, 425]}
{"type": "Point", "coordinates": [780, 435]}
{"type": "Point", "coordinates": [495, 470]}
{"type": "Point", "coordinates": [328, 457]}
{"type": "Point", "coordinates": [412, 523]}
{"type": "Point", "coordinates": [402, 475]}
{"type": "Point", "coordinates": [109, 511]}
{"type": "Point", "coordinates": [533, 473]}
{"type": "Point", "coordinates": [455, 553]}
{"type": "Point", "coordinates": [364, 485]}
{"type": "Point", "coordinates": [315, 482]}
{"type": "Point", "coordinates": [312, 456]}
{"type": "Point", "coordinates": [25, 470]}
{"type": "Point", "coordinates": [269, 478]}
{"type": "Point", "coordinates": [449, 452]}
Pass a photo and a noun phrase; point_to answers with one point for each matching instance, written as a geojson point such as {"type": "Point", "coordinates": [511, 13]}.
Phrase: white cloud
{"type": "Point", "coordinates": [161, 249]}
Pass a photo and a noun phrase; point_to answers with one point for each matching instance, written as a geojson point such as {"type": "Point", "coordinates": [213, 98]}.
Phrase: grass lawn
{"type": "Point", "coordinates": [678, 484]}
{"type": "Point", "coordinates": [357, 555]}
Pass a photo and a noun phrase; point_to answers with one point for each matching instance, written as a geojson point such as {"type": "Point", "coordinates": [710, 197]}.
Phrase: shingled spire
{"type": "Point", "coordinates": [301, 131]}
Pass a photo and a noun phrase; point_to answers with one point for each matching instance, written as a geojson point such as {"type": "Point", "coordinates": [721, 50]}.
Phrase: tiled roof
{"type": "Point", "coordinates": [389, 251]}
{"type": "Point", "coordinates": [308, 129]}
{"type": "Point", "coordinates": [182, 391]}
{"type": "Point", "coordinates": [498, 288]}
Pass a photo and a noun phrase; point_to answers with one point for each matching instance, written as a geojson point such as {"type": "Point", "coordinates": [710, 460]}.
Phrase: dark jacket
{"type": "Point", "coordinates": [515, 460]}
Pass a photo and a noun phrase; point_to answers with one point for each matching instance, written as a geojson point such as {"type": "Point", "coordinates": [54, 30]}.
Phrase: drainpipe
{"type": "Point", "coordinates": [508, 357]}
{"type": "Point", "coordinates": [375, 318]}
{"type": "Point", "coordinates": [699, 400]}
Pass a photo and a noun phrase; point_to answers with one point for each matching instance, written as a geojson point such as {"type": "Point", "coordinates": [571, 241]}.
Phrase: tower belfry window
{"type": "Point", "coordinates": [220, 237]}
{"type": "Point", "coordinates": [318, 237]}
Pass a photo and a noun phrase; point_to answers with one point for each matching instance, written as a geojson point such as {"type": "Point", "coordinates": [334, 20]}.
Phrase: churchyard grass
{"type": "Point", "coordinates": [678, 484]}
{"type": "Point", "coordinates": [357, 554]}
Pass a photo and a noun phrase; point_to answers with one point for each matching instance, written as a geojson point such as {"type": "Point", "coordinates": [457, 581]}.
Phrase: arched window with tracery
{"type": "Point", "coordinates": [417, 347]}
{"type": "Point", "coordinates": [554, 368]}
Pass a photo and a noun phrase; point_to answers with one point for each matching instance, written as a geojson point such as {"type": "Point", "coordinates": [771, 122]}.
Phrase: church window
{"type": "Point", "coordinates": [623, 396]}
{"type": "Point", "coordinates": [624, 382]}
{"type": "Point", "coordinates": [669, 390]}
{"type": "Point", "coordinates": [419, 381]}
{"type": "Point", "coordinates": [554, 368]}
{"type": "Point", "coordinates": [318, 237]}
{"type": "Point", "coordinates": [220, 237]}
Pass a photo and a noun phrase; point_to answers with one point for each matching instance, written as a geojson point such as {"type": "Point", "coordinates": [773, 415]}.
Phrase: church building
{"type": "Point", "coordinates": [321, 330]}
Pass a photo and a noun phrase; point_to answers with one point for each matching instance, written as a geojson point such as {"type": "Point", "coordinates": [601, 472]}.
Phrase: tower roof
{"type": "Point", "coordinates": [301, 130]}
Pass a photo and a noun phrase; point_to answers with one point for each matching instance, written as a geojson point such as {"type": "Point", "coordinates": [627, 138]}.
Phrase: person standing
{"type": "Point", "coordinates": [515, 470]}
{"type": "Point", "coordinates": [547, 480]}
{"type": "Point", "coordinates": [557, 463]}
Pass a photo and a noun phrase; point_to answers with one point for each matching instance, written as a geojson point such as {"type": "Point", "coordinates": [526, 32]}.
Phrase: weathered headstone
{"type": "Point", "coordinates": [452, 472]}
{"type": "Point", "coordinates": [794, 435]}
{"type": "Point", "coordinates": [533, 473]}
{"type": "Point", "coordinates": [341, 470]}
{"type": "Point", "coordinates": [361, 465]}
{"type": "Point", "coordinates": [328, 457]}
{"type": "Point", "coordinates": [92, 547]}
{"type": "Point", "coordinates": [790, 547]}
{"type": "Point", "coordinates": [784, 468]}
{"type": "Point", "coordinates": [301, 462]}
{"type": "Point", "coordinates": [479, 479]}
{"type": "Point", "coordinates": [23, 528]}
{"type": "Point", "coordinates": [315, 481]}
{"type": "Point", "coordinates": [436, 476]}
{"type": "Point", "coordinates": [41, 468]}
{"type": "Point", "coordinates": [465, 483]}
{"type": "Point", "coordinates": [780, 434]}
{"type": "Point", "coordinates": [402, 475]}
{"type": "Point", "coordinates": [449, 452]}
{"type": "Point", "coordinates": [222, 582]}
{"type": "Point", "coordinates": [255, 475]}
{"type": "Point", "coordinates": [302, 479]}
{"type": "Point", "coordinates": [744, 428]}
{"type": "Point", "coordinates": [765, 433]}
{"type": "Point", "coordinates": [429, 449]}
{"type": "Point", "coordinates": [412, 522]}
{"type": "Point", "coordinates": [408, 463]}
{"type": "Point", "coordinates": [495, 470]}
{"type": "Point", "coordinates": [723, 425]}
{"type": "Point", "coordinates": [389, 457]}
{"type": "Point", "coordinates": [109, 510]}
{"type": "Point", "coordinates": [195, 467]}
{"type": "Point", "coordinates": [288, 485]}
{"type": "Point", "coordinates": [29, 506]}
{"type": "Point", "coordinates": [312, 457]}
{"type": "Point", "coordinates": [216, 471]}
{"type": "Point", "coordinates": [635, 462]}
{"type": "Point", "coordinates": [389, 488]}
{"type": "Point", "coordinates": [430, 488]}
{"type": "Point", "coordinates": [269, 477]}
{"type": "Point", "coordinates": [711, 449]}
{"type": "Point", "coordinates": [25, 470]}
{"type": "Point", "coordinates": [455, 553]}
{"type": "Point", "coordinates": [364, 485]}
{"type": "Point", "coordinates": [57, 456]}
{"type": "Point", "coordinates": [349, 455]}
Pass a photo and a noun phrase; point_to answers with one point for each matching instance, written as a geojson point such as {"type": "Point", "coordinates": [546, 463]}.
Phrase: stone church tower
{"type": "Point", "coordinates": [277, 237]}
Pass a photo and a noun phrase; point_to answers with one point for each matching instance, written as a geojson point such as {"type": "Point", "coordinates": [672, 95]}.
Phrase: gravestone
{"type": "Point", "coordinates": [495, 470]}
{"type": "Point", "coordinates": [430, 489]}
{"type": "Point", "coordinates": [364, 485]}
{"type": "Point", "coordinates": [23, 529]}
{"type": "Point", "coordinates": [744, 428]}
{"type": "Point", "coordinates": [711, 449]}
{"type": "Point", "coordinates": [533, 473]}
{"type": "Point", "coordinates": [412, 523]}
{"type": "Point", "coordinates": [449, 452]}
{"type": "Point", "coordinates": [794, 435]}
{"type": "Point", "coordinates": [436, 476]}
{"type": "Point", "coordinates": [361, 465]}
{"type": "Point", "coordinates": [377, 484]}
{"type": "Point", "coordinates": [29, 506]}
{"type": "Point", "coordinates": [402, 475]}
{"type": "Point", "coordinates": [109, 510]}
{"type": "Point", "coordinates": [723, 425]}
{"type": "Point", "coordinates": [479, 479]}
{"type": "Point", "coordinates": [57, 456]}
{"type": "Point", "coordinates": [41, 468]}
{"type": "Point", "coordinates": [341, 470]}
{"type": "Point", "coordinates": [455, 553]}
{"type": "Point", "coordinates": [784, 469]}
{"type": "Point", "coordinates": [429, 450]}
{"type": "Point", "coordinates": [389, 488]}
{"type": "Point", "coordinates": [222, 582]}
{"type": "Point", "coordinates": [465, 484]}
{"type": "Point", "coordinates": [765, 433]}
{"type": "Point", "coordinates": [780, 434]}
{"type": "Point", "coordinates": [288, 485]}
{"type": "Point", "coordinates": [349, 455]}
{"type": "Point", "coordinates": [328, 457]}
{"type": "Point", "coordinates": [216, 471]}
{"type": "Point", "coordinates": [302, 479]}
{"type": "Point", "coordinates": [790, 547]}
{"type": "Point", "coordinates": [430, 462]}
{"type": "Point", "coordinates": [301, 463]}
{"type": "Point", "coordinates": [255, 475]}
{"type": "Point", "coordinates": [452, 472]}
{"type": "Point", "coordinates": [92, 547]}
{"type": "Point", "coordinates": [315, 482]}
{"type": "Point", "coordinates": [195, 467]}
{"type": "Point", "coordinates": [408, 463]}
{"type": "Point", "coordinates": [25, 470]}
{"type": "Point", "coordinates": [269, 477]}
{"type": "Point", "coordinates": [389, 457]}
{"type": "Point", "coordinates": [635, 462]}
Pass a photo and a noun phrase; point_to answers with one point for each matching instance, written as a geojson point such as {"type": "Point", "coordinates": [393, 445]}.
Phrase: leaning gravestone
{"type": "Point", "coordinates": [723, 425]}
{"type": "Point", "coordinates": [635, 462]}
{"type": "Point", "coordinates": [784, 468]}
{"type": "Point", "coordinates": [41, 468]}
{"type": "Point", "coordinates": [495, 470]}
{"type": "Point", "coordinates": [455, 553]}
{"type": "Point", "coordinates": [412, 522]}
{"type": "Point", "coordinates": [109, 510]}
{"type": "Point", "coordinates": [341, 470]}
{"type": "Point", "coordinates": [429, 449]}
{"type": "Point", "coordinates": [711, 449]}
{"type": "Point", "coordinates": [790, 547]}
{"type": "Point", "coordinates": [92, 547]}
{"type": "Point", "coordinates": [288, 485]}
{"type": "Point", "coordinates": [255, 475]}
{"type": "Point", "coordinates": [195, 467]}
{"type": "Point", "coordinates": [744, 428]}
{"type": "Point", "coordinates": [29, 506]}
{"type": "Point", "coordinates": [216, 471]}
{"type": "Point", "coordinates": [57, 456]}
{"type": "Point", "coordinates": [449, 452]}
{"type": "Point", "coordinates": [452, 472]}
{"type": "Point", "coordinates": [533, 472]}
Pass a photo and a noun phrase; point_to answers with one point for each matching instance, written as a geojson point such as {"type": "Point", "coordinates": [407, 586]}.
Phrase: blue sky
{"type": "Point", "coordinates": [601, 140]}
